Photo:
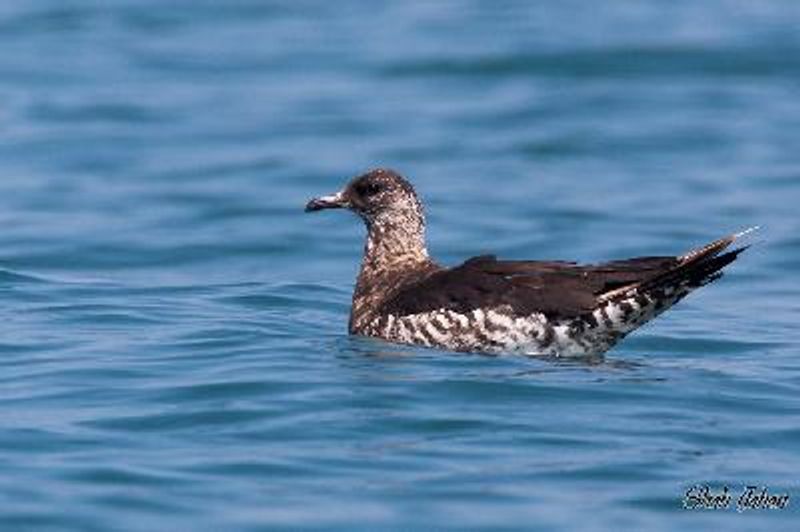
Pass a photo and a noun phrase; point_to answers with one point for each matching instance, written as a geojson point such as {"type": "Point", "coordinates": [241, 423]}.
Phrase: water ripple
{"type": "Point", "coordinates": [174, 350]}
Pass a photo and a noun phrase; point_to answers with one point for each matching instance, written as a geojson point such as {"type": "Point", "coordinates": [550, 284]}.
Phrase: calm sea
{"type": "Point", "coordinates": [173, 347]}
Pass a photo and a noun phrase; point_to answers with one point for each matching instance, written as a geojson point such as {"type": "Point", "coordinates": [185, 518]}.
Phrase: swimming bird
{"type": "Point", "coordinates": [551, 308]}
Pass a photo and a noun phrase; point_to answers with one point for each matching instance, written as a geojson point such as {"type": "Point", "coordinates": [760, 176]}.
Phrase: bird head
{"type": "Point", "coordinates": [378, 196]}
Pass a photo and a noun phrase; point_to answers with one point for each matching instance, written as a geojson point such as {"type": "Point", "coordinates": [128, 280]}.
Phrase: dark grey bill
{"type": "Point", "coordinates": [334, 201]}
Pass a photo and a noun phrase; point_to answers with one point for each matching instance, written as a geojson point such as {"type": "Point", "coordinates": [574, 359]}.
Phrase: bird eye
{"type": "Point", "coordinates": [368, 189]}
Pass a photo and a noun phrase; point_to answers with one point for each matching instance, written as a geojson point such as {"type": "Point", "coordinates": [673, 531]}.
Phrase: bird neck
{"type": "Point", "coordinates": [394, 244]}
{"type": "Point", "coordinates": [394, 252]}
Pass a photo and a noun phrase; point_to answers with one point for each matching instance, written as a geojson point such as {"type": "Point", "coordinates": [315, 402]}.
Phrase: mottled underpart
{"type": "Point", "coordinates": [499, 331]}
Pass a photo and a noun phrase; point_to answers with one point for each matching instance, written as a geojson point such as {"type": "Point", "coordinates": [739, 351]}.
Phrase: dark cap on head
{"type": "Point", "coordinates": [370, 194]}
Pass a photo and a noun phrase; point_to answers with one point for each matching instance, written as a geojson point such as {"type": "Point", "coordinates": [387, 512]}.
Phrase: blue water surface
{"type": "Point", "coordinates": [173, 343]}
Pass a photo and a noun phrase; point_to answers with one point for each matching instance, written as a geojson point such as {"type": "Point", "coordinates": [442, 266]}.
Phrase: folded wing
{"type": "Point", "coordinates": [555, 289]}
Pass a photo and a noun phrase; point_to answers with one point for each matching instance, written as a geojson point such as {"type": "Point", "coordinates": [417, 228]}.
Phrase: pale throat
{"type": "Point", "coordinates": [395, 249]}
{"type": "Point", "coordinates": [394, 243]}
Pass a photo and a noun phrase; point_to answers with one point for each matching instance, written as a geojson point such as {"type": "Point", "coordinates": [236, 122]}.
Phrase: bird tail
{"type": "Point", "coordinates": [693, 269]}
{"type": "Point", "coordinates": [699, 266]}
{"type": "Point", "coordinates": [629, 307]}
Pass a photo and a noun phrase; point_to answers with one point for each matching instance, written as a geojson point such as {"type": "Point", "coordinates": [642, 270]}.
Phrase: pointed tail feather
{"type": "Point", "coordinates": [714, 248]}
{"type": "Point", "coordinates": [693, 269]}
{"type": "Point", "coordinates": [700, 266]}
{"type": "Point", "coordinates": [695, 273]}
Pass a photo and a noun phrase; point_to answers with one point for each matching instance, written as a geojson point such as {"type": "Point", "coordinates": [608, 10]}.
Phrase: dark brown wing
{"type": "Point", "coordinates": [553, 288]}
{"type": "Point", "coordinates": [557, 289]}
